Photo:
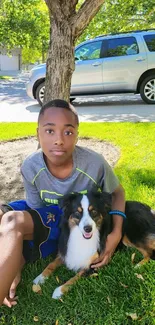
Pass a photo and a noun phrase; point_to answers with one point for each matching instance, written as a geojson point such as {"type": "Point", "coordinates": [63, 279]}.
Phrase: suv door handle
{"type": "Point", "coordinates": [96, 64]}
{"type": "Point", "coordinates": [140, 59]}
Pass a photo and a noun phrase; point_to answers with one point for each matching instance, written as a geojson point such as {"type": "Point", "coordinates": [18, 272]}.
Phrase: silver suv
{"type": "Point", "coordinates": [108, 64]}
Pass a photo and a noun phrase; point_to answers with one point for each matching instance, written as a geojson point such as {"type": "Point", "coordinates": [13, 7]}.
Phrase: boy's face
{"type": "Point", "coordinates": [57, 134]}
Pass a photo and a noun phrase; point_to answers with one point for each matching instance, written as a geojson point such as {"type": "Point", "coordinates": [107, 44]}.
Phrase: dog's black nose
{"type": "Point", "coordinates": [88, 228]}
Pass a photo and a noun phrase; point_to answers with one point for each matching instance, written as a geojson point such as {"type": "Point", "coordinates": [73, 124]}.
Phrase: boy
{"type": "Point", "coordinates": [30, 229]}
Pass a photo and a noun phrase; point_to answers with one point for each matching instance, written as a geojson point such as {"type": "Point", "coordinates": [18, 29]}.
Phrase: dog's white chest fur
{"type": "Point", "coordinates": [80, 250]}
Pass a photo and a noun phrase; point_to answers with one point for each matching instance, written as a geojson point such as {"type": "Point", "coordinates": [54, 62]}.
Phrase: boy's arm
{"type": "Point", "coordinates": [113, 239]}
{"type": "Point", "coordinates": [118, 203]}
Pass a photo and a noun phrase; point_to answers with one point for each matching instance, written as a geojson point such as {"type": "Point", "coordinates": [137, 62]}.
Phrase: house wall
{"type": "Point", "coordinates": [10, 61]}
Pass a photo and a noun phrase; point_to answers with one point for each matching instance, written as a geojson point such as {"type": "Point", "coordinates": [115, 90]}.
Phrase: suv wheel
{"type": "Point", "coordinates": [147, 89]}
{"type": "Point", "coordinates": [71, 99]}
{"type": "Point", "coordinates": [40, 93]}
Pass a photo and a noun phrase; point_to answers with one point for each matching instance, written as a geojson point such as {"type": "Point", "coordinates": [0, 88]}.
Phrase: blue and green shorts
{"type": "Point", "coordinates": [46, 229]}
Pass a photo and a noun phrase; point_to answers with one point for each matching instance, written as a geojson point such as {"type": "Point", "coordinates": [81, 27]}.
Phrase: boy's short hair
{"type": "Point", "coordinates": [61, 104]}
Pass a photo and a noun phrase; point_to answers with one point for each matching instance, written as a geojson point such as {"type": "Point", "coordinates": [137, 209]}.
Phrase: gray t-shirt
{"type": "Point", "coordinates": [90, 169]}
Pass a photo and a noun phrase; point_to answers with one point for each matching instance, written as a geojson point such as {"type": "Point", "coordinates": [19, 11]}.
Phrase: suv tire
{"type": "Point", "coordinates": [71, 99]}
{"type": "Point", "coordinates": [40, 93]}
{"type": "Point", "coordinates": [147, 89]}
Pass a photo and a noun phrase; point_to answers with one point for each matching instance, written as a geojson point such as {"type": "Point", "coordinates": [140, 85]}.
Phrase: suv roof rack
{"type": "Point", "coordinates": [127, 32]}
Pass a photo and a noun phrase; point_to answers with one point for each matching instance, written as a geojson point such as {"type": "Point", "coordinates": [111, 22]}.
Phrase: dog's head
{"type": "Point", "coordinates": [87, 211]}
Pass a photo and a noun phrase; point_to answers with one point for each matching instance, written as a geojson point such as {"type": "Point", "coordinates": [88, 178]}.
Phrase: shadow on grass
{"type": "Point", "coordinates": [145, 177]}
{"type": "Point", "coordinates": [137, 176]}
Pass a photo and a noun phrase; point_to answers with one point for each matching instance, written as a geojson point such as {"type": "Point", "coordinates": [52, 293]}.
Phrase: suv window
{"type": "Point", "coordinates": [122, 46]}
{"type": "Point", "coordinates": [89, 51]}
{"type": "Point", "coordinates": [150, 42]}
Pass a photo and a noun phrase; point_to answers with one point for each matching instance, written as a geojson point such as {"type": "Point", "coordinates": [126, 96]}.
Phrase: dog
{"type": "Point", "coordinates": [85, 224]}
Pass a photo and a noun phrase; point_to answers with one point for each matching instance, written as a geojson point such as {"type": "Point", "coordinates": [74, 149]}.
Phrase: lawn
{"type": "Point", "coordinates": [5, 78]}
{"type": "Point", "coordinates": [120, 294]}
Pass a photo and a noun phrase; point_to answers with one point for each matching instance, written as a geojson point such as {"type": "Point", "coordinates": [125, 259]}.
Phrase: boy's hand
{"type": "Point", "coordinates": [11, 300]}
{"type": "Point", "coordinates": [112, 242]}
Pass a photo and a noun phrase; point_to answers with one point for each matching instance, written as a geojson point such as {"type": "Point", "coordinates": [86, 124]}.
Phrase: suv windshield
{"type": "Point", "coordinates": [89, 51]}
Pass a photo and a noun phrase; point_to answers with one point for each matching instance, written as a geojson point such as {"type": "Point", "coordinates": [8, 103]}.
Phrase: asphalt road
{"type": "Point", "coordinates": [16, 106]}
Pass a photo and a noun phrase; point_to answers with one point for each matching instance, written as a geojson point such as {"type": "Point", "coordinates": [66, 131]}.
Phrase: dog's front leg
{"type": "Point", "coordinates": [40, 279]}
{"type": "Point", "coordinates": [59, 291]}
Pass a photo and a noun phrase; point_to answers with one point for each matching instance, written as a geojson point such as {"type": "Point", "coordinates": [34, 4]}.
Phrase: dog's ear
{"type": "Point", "coordinates": [104, 198]}
{"type": "Point", "coordinates": [65, 204]}
{"type": "Point", "coordinates": [107, 199]}
{"type": "Point", "coordinates": [66, 201]}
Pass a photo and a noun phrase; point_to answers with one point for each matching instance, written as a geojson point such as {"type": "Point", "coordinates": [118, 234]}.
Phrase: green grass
{"type": "Point", "coordinates": [116, 292]}
{"type": "Point", "coordinates": [5, 77]}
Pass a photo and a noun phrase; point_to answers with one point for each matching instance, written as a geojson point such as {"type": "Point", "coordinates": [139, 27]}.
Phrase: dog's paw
{"type": "Point", "coordinates": [40, 279]}
{"type": "Point", "coordinates": [57, 293]}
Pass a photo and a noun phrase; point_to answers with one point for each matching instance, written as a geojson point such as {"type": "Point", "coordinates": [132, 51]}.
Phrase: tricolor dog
{"type": "Point", "coordinates": [85, 224]}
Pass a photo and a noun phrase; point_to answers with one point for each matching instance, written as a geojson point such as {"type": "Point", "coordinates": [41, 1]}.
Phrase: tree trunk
{"type": "Point", "coordinates": [60, 61]}
{"type": "Point", "coordinates": [66, 26]}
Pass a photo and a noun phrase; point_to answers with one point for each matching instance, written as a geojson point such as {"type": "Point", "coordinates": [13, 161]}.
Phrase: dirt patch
{"type": "Point", "coordinates": [14, 152]}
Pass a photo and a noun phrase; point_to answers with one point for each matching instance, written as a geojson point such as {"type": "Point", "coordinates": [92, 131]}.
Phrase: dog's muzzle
{"type": "Point", "coordinates": [87, 231]}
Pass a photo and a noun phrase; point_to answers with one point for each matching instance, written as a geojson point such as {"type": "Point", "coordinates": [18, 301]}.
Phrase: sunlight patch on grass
{"type": "Point", "coordinates": [12, 131]}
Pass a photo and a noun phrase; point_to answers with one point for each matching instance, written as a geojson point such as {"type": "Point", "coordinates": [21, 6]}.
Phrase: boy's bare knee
{"type": "Point", "coordinates": [12, 220]}
{"type": "Point", "coordinates": [19, 221]}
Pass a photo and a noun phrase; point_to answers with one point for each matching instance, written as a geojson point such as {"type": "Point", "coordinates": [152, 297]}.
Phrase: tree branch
{"type": "Point", "coordinates": [85, 14]}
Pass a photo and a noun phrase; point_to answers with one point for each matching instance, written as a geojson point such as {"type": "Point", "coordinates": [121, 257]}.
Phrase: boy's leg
{"type": "Point", "coordinates": [16, 281]}
{"type": "Point", "coordinates": [1, 214]}
{"type": "Point", "coordinates": [15, 226]}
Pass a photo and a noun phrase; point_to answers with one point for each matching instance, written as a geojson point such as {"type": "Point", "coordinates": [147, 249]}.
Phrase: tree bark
{"type": "Point", "coordinates": [66, 26]}
{"type": "Point", "coordinates": [60, 61]}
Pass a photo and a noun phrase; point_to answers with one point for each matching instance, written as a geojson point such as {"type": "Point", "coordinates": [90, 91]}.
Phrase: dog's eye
{"type": "Point", "coordinates": [77, 214]}
{"type": "Point", "coordinates": [93, 213]}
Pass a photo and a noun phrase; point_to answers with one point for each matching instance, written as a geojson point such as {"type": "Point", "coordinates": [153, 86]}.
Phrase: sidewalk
{"type": "Point", "coordinates": [14, 74]}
